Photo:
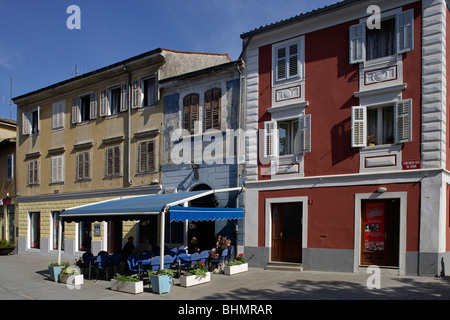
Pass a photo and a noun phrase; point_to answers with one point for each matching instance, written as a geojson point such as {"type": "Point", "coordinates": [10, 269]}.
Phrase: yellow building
{"type": "Point", "coordinates": [7, 180]}
{"type": "Point", "coordinates": [92, 138]}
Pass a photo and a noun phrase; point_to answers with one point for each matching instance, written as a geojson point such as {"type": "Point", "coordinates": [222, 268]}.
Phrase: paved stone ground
{"type": "Point", "coordinates": [25, 277]}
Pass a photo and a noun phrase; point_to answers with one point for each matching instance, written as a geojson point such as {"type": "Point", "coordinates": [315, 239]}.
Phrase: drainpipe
{"type": "Point", "coordinates": [129, 127]}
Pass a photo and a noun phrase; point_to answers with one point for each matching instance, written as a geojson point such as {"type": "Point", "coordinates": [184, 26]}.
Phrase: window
{"type": "Point", "coordinates": [57, 169]}
{"type": "Point", "coordinates": [58, 115]}
{"type": "Point", "coordinates": [144, 92]}
{"type": "Point", "coordinates": [83, 165]}
{"type": "Point", "coordinates": [84, 108]}
{"type": "Point", "coordinates": [383, 124]}
{"type": "Point", "coordinates": [212, 109]}
{"type": "Point", "coordinates": [55, 230]}
{"type": "Point", "coordinates": [33, 172]}
{"type": "Point", "coordinates": [114, 100]}
{"type": "Point", "coordinates": [35, 229]}
{"type": "Point", "coordinates": [394, 37]}
{"type": "Point", "coordinates": [146, 157]}
{"type": "Point", "coordinates": [190, 112]}
{"type": "Point", "coordinates": [30, 122]}
{"type": "Point", "coordinates": [84, 235]}
{"type": "Point", "coordinates": [288, 61]}
{"type": "Point", "coordinates": [113, 163]}
{"type": "Point", "coordinates": [10, 166]}
{"type": "Point", "coordinates": [287, 137]}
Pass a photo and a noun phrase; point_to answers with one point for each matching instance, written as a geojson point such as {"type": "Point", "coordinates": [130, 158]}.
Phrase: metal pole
{"type": "Point", "coordinates": [161, 237]}
{"type": "Point", "coordinates": [59, 239]}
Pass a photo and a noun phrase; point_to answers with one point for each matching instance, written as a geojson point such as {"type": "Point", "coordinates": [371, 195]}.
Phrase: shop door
{"type": "Point", "coordinates": [380, 232]}
{"type": "Point", "coordinates": [287, 232]}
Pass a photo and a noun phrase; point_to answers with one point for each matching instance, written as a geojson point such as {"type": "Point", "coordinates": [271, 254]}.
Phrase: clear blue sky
{"type": "Point", "coordinates": [37, 49]}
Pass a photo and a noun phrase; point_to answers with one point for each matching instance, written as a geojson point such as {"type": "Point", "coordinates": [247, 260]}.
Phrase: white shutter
{"type": "Point", "coordinates": [270, 135]}
{"type": "Point", "coordinates": [405, 31]}
{"type": "Point", "coordinates": [103, 103]}
{"type": "Point", "coordinates": [38, 120]}
{"type": "Point", "coordinates": [60, 168]}
{"type": "Point", "coordinates": [26, 125]}
{"type": "Point", "coordinates": [359, 127]}
{"type": "Point", "coordinates": [402, 114]}
{"type": "Point", "coordinates": [357, 43]}
{"type": "Point", "coordinates": [75, 111]}
{"type": "Point", "coordinates": [304, 127]}
{"type": "Point", "coordinates": [136, 94]}
{"type": "Point", "coordinates": [93, 105]}
{"type": "Point", "coordinates": [54, 169]}
{"type": "Point", "coordinates": [124, 98]}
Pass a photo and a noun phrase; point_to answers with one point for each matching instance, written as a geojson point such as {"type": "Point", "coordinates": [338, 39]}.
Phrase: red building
{"type": "Point", "coordinates": [351, 165]}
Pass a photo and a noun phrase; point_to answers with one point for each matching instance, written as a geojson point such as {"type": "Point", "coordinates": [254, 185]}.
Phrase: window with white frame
{"type": "Point", "coordinates": [30, 122]}
{"type": "Point", "coordinates": [114, 100]}
{"type": "Point", "coordinates": [144, 92]}
{"type": "Point", "coordinates": [33, 172]}
{"type": "Point", "coordinates": [57, 169]}
{"type": "Point", "coordinates": [83, 165]}
{"type": "Point", "coordinates": [287, 137]}
{"type": "Point", "coordinates": [382, 124]}
{"type": "Point", "coordinates": [288, 61]}
{"type": "Point", "coordinates": [146, 157]}
{"type": "Point", "coordinates": [395, 36]}
{"type": "Point", "coordinates": [113, 163]}
{"type": "Point", "coordinates": [58, 115]}
{"type": "Point", "coordinates": [84, 108]}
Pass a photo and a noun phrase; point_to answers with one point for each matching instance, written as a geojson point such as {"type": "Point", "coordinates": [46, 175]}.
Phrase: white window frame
{"type": "Point", "coordinates": [146, 171]}
{"type": "Point", "coordinates": [76, 108]}
{"type": "Point", "coordinates": [300, 75]}
{"type": "Point", "coordinates": [58, 115]}
{"type": "Point", "coordinates": [28, 122]}
{"type": "Point", "coordinates": [83, 169]}
{"type": "Point", "coordinates": [138, 89]}
{"type": "Point", "coordinates": [57, 169]}
{"type": "Point", "coordinates": [113, 163]}
{"type": "Point", "coordinates": [402, 122]}
{"type": "Point", "coordinates": [33, 165]}
{"type": "Point", "coordinates": [405, 31]}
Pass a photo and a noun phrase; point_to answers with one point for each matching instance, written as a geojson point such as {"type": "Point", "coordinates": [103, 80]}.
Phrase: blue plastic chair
{"type": "Point", "coordinates": [133, 264]}
{"type": "Point", "coordinates": [115, 261]}
{"type": "Point", "coordinates": [146, 255]}
{"type": "Point", "coordinates": [222, 257]}
{"type": "Point", "coordinates": [204, 255]}
{"type": "Point", "coordinates": [184, 261]}
{"type": "Point", "coordinates": [102, 263]}
{"type": "Point", "coordinates": [154, 263]}
{"type": "Point", "coordinates": [173, 252]}
{"type": "Point", "coordinates": [195, 257]}
{"type": "Point", "coordinates": [88, 260]}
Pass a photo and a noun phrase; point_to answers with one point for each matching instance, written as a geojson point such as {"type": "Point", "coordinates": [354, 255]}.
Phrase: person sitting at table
{"type": "Point", "coordinates": [216, 254]}
{"type": "Point", "coordinates": [128, 248]}
{"type": "Point", "coordinates": [143, 246]}
{"type": "Point", "coordinates": [192, 247]}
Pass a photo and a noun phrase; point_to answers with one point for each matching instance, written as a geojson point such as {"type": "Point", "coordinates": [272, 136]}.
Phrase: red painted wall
{"type": "Point", "coordinates": [332, 214]}
{"type": "Point", "coordinates": [330, 86]}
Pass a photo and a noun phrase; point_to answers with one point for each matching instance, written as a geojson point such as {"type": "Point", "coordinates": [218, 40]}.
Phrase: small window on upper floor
{"type": "Point", "coordinates": [395, 36]}
{"type": "Point", "coordinates": [84, 108]}
{"type": "Point", "coordinates": [212, 109]}
{"type": "Point", "coordinates": [30, 122]}
{"type": "Point", "coordinates": [288, 61]}
{"type": "Point", "coordinates": [144, 92]}
{"type": "Point", "coordinates": [190, 112]}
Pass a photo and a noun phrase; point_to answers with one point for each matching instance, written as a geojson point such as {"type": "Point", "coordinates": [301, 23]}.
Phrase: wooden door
{"type": "Point", "coordinates": [287, 232]}
{"type": "Point", "coordinates": [380, 232]}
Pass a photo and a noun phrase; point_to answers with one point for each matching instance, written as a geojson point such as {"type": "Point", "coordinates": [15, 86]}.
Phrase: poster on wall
{"type": "Point", "coordinates": [374, 228]}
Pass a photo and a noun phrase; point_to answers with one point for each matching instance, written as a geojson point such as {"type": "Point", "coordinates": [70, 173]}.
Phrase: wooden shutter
{"type": "Point", "coordinates": [212, 109]}
{"type": "Point", "coordinates": [208, 110]}
{"type": "Point", "coordinates": [357, 43]}
{"type": "Point", "coordinates": [30, 171]}
{"type": "Point", "coordinates": [116, 161]}
{"type": "Point", "coordinates": [405, 31]}
{"type": "Point", "coordinates": [402, 120]}
{"type": "Point", "coordinates": [109, 161]}
{"type": "Point", "coordinates": [26, 124]}
{"type": "Point", "coordinates": [281, 64]}
{"type": "Point", "coordinates": [76, 116]}
{"type": "Point", "coordinates": [86, 165]}
{"type": "Point", "coordinates": [151, 165]}
{"type": "Point", "coordinates": [293, 60]}
{"type": "Point", "coordinates": [194, 111]}
{"type": "Point", "coordinates": [103, 103]}
{"type": "Point", "coordinates": [93, 106]}
{"type": "Point", "coordinates": [190, 112]}
{"type": "Point", "coordinates": [270, 128]}
{"type": "Point", "coordinates": [124, 98]}
{"type": "Point", "coordinates": [304, 127]}
{"type": "Point", "coordinates": [359, 127]}
{"type": "Point", "coordinates": [136, 94]}
{"type": "Point", "coordinates": [80, 165]}
{"type": "Point", "coordinates": [57, 169]}
{"type": "Point", "coordinates": [142, 157]}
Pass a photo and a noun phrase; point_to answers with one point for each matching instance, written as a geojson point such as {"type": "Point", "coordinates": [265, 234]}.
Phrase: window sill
{"type": "Point", "coordinates": [83, 180]}
{"type": "Point", "coordinates": [113, 177]}
{"type": "Point", "coordinates": [56, 183]}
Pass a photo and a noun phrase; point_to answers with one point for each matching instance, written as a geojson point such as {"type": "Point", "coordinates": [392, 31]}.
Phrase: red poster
{"type": "Point", "coordinates": [374, 228]}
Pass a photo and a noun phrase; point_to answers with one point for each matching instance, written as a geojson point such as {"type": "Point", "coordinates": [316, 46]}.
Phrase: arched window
{"type": "Point", "coordinates": [212, 109]}
{"type": "Point", "coordinates": [190, 112]}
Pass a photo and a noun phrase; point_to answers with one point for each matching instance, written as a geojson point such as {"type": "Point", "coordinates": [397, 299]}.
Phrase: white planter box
{"type": "Point", "coordinates": [230, 270]}
{"type": "Point", "coordinates": [188, 281]}
{"type": "Point", "coordinates": [73, 280]}
{"type": "Point", "coordinates": [129, 287]}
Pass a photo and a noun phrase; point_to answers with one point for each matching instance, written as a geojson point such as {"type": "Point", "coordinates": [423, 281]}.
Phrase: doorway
{"type": "Point", "coordinates": [287, 232]}
{"type": "Point", "coordinates": [114, 236]}
{"type": "Point", "coordinates": [380, 232]}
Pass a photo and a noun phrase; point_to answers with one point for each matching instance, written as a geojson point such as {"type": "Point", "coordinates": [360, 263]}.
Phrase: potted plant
{"type": "Point", "coordinates": [6, 247]}
{"type": "Point", "coordinates": [71, 275]}
{"type": "Point", "coordinates": [371, 141]}
{"type": "Point", "coordinates": [55, 269]}
{"type": "Point", "coordinates": [197, 275]}
{"type": "Point", "coordinates": [161, 280]}
{"type": "Point", "coordinates": [127, 284]}
{"type": "Point", "coordinates": [237, 266]}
